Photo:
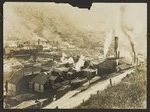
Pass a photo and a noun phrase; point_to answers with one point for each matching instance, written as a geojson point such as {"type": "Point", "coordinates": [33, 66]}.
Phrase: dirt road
{"type": "Point", "coordinates": [67, 101]}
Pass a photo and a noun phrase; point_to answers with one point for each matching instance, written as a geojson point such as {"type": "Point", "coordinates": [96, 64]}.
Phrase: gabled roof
{"type": "Point", "coordinates": [41, 78]}
{"type": "Point", "coordinates": [53, 78]}
{"type": "Point", "coordinates": [16, 78]}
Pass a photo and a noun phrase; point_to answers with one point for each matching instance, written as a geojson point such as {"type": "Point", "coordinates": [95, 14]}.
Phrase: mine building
{"type": "Point", "coordinates": [113, 64]}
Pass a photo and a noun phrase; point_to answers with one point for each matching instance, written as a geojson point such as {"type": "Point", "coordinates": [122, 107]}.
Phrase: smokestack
{"type": "Point", "coordinates": [115, 47]}
{"type": "Point", "coordinates": [118, 54]}
{"type": "Point", "coordinates": [38, 41]}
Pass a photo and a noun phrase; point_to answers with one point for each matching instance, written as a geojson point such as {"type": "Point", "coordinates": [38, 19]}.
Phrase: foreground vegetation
{"type": "Point", "coordinates": [129, 94]}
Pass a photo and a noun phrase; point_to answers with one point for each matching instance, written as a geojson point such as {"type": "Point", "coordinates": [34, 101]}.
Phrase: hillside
{"type": "Point", "coordinates": [129, 94]}
{"type": "Point", "coordinates": [65, 24]}
{"type": "Point", "coordinates": [33, 22]}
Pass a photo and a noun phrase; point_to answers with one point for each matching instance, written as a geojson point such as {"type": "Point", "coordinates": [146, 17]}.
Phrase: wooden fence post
{"type": "Point", "coordinates": [111, 83]}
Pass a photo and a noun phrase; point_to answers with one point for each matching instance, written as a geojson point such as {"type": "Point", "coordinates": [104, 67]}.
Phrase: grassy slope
{"type": "Point", "coordinates": [129, 94]}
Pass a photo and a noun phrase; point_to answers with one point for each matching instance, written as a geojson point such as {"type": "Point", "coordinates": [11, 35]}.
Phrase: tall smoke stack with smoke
{"type": "Point", "coordinates": [116, 47]}
{"type": "Point", "coordinates": [125, 31]}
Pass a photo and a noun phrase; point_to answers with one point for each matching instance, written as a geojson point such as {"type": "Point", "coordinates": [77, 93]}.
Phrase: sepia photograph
{"type": "Point", "coordinates": [56, 56]}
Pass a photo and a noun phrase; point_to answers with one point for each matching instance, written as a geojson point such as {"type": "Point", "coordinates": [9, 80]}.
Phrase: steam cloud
{"type": "Point", "coordinates": [80, 63]}
{"type": "Point", "coordinates": [107, 43]}
{"type": "Point", "coordinates": [122, 31]}
{"type": "Point", "coordinates": [124, 28]}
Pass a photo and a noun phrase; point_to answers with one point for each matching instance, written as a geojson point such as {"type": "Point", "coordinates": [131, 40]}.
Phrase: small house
{"type": "Point", "coordinates": [14, 84]}
{"type": "Point", "coordinates": [18, 83]}
{"type": "Point", "coordinates": [40, 82]}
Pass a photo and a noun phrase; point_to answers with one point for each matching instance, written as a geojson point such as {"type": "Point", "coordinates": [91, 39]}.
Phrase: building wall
{"type": "Point", "coordinates": [11, 89]}
{"type": "Point", "coordinates": [38, 87]}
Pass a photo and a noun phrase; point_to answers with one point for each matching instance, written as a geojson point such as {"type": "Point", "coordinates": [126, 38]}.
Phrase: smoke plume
{"type": "Point", "coordinates": [125, 29]}
{"type": "Point", "coordinates": [107, 43]}
{"type": "Point", "coordinates": [80, 63]}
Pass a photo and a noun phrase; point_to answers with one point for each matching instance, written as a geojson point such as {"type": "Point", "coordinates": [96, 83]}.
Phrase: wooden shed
{"type": "Point", "coordinates": [40, 83]}
{"type": "Point", "coordinates": [18, 83]}
{"type": "Point", "coordinates": [14, 84]}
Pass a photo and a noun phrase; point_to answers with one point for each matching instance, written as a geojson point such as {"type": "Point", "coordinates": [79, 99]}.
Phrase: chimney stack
{"type": "Point", "coordinates": [118, 54]}
{"type": "Point", "coordinates": [116, 47]}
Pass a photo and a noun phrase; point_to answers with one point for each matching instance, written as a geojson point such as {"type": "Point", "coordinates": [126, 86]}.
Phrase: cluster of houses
{"type": "Point", "coordinates": [48, 76]}
{"type": "Point", "coordinates": [51, 75]}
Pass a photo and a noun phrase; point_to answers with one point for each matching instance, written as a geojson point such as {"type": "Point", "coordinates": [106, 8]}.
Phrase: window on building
{"type": "Point", "coordinates": [31, 85]}
{"type": "Point", "coordinates": [39, 87]}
